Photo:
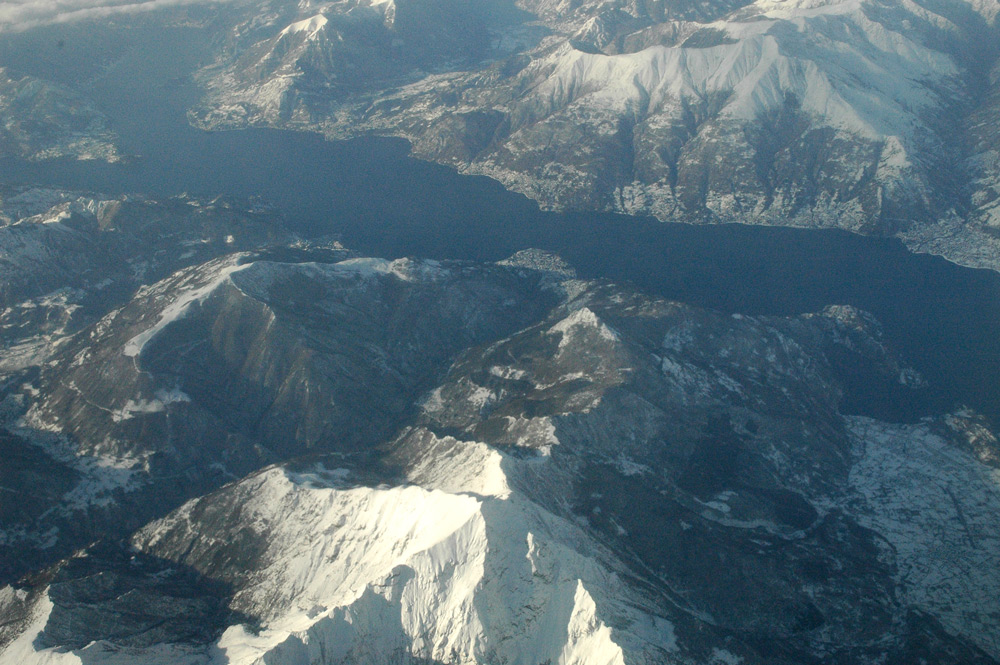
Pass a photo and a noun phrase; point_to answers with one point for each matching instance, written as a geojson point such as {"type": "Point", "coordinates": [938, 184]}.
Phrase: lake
{"type": "Point", "coordinates": [944, 319]}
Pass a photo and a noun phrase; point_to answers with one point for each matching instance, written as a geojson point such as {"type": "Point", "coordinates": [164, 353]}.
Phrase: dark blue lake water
{"type": "Point", "coordinates": [943, 318]}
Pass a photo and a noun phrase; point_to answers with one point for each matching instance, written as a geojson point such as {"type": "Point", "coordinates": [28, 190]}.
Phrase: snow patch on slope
{"type": "Point", "coordinates": [582, 321]}
{"type": "Point", "coordinates": [408, 270]}
{"type": "Point", "coordinates": [940, 510]}
{"type": "Point", "coordinates": [181, 305]}
{"type": "Point", "coordinates": [310, 26]}
{"type": "Point", "coordinates": [158, 404]}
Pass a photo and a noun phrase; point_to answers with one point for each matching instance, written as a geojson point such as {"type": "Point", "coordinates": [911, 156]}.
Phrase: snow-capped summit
{"type": "Point", "coordinates": [310, 27]}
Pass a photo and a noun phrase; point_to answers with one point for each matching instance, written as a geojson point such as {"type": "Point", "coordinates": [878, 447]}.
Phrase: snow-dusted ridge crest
{"type": "Point", "coordinates": [191, 291]}
{"type": "Point", "coordinates": [424, 565]}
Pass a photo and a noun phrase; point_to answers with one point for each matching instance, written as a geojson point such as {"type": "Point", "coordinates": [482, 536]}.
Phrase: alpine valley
{"type": "Point", "coordinates": [267, 399]}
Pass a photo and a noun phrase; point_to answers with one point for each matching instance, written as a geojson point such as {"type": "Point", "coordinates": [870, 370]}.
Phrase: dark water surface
{"type": "Point", "coordinates": [943, 318]}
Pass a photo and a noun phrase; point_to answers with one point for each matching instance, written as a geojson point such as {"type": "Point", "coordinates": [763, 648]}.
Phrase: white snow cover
{"type": "Point", "coordinates": [310, 26]}
{"type": "Point", "coordinates": [22, 650]}
{"type": "Point", "coordinates": [179, 306]}
{"type": "Point", "coordinates": [361, 573]}
{"type": "Point", "coordinates": [939, 508]}
{"type": "Point", "coordinates": [853, 91]}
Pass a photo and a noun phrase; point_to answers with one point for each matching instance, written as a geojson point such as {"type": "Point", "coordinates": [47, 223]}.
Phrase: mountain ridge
{"type": "Point", "coordinates": [804, 114]}
{"type": "Point", "coordinates": [522, 448]}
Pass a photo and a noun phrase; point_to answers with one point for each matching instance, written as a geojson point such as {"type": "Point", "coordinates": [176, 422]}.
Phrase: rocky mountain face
{"type": "Point", "coordinates": [286, 453]}
{"type": "Point", "coordinates": [42, 120]}
{"type": "Point", "coordinates": [66, 260]}
{"type": "Point", "coordinates": [868, 116]}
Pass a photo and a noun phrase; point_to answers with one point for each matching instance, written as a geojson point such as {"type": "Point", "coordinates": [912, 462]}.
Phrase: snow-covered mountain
{"type": "Point", "coordinates": [222, 443]}
{"type": "Point", "coordinates": [293, 454]}
{"type": "Point", "coordinates": [874, 116]}
{"type": "Point", "coordinates": [864, 115]}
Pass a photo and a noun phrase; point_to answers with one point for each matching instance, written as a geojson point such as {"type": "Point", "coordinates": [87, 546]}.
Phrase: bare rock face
{"type": "Point", "coordinates": [306, 456]}
{"type": "Point", "coordinates": [283, 357]}
{"type": "Point", "coordinates": [67, 260]}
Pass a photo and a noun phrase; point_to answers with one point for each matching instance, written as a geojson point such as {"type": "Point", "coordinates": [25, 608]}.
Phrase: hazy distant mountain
{"type": "Point", "coordinates": [41, 120]}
